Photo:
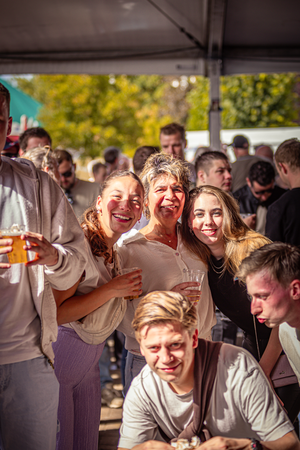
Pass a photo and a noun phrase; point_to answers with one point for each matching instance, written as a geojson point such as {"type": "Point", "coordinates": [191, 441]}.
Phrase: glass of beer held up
{"type": "Point", "coordinates": [18, 254]}
{"type": "Point", "coordinates": [197, 276]}
{"type": "Point", "coordinates": [123, 272]}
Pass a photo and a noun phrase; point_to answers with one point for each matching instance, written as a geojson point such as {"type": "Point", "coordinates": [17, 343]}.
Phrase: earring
{"type": "Point", "coordinates": [192, 232]}
{"type": "Point", "coordinates": [139, 221]}
{"type": "Point", "coordinates": [97, 211]}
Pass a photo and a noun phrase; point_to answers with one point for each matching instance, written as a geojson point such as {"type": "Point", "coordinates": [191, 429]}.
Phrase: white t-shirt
{"type": "Point", "coordinates": [242, 404]}
{"type": "Point", "coordinates": [290, 340]}
{"type": "Point", "coordinates": [163, 268]}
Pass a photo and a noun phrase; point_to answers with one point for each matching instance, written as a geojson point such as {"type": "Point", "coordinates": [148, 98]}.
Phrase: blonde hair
{"type": "Point", "coordinates": [158, 165]}
{"type": "Point", "coordinates": [161, 307]}
{"type": "Point", "coordinates": [239, 239]}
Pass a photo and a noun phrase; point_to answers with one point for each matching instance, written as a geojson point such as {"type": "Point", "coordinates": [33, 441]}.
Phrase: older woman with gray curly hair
{"type": "Point", "coordinates": [158, 250]}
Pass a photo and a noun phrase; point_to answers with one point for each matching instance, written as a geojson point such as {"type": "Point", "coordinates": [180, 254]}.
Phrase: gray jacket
{"type": "Point", "coordinates": [52, 217]}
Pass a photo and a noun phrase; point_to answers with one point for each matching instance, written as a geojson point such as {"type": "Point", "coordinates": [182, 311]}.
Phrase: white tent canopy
{"type": "Point", "coordinates": [149, 36]}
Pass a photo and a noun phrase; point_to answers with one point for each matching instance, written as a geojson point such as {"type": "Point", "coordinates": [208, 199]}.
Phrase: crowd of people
{"type": "Point", "coordinates": [112, 255]}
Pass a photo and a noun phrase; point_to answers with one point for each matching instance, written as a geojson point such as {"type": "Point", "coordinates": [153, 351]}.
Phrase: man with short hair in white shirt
{"type": "Point", "coordinates": [190, 384]}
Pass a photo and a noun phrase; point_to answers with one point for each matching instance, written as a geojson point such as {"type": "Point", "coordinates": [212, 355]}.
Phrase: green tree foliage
{"type": "Point", "coordinates": [93, 112]}
{"type": "Point", "coordinates": [248, 101]}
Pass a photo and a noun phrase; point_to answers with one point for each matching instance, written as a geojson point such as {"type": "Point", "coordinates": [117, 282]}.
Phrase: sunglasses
{"type": "Point", "coordinates": [265, 191]}
{"type": "Point", "coordinates": [67, 174]}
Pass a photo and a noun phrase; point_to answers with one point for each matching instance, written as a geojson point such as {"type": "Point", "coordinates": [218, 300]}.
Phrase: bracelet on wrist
{"type": "Point", "coordinates": [255, 444]}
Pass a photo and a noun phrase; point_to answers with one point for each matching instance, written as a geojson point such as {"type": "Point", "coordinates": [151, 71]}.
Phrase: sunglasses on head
{"type": "Point", "coordinates": [265, 191]}
{"type": "Point", "coordinates": [67, 174]}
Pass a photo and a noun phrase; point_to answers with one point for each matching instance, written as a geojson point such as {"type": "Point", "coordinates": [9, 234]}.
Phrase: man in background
{"type": "Point", "coordinates": [173, 142]}
{"type": "Point", "coordinates": [32, 138]}
{"type": "Point", "coordinates": [99, 173]}
{"type": "Point", "coordinates": [112, 156]}
{"type": "Point", "coordinates": [81, 194]}
{"type": "Point", "coordinates": [213, 168]}
{"type": "Point", "coordinates": [264, 152]}
{"type": "Point", "coordinates": [283, 216]}
{"type": "Point", "coordinates": [241, 167]}
{"type": "Point", "coordinates": [259, 193]}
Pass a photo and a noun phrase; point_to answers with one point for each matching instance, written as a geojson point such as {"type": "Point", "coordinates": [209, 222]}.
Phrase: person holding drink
{"type": "Point", "coordinates": [158, 250]}
{"type": "Point", "coordinates": [92, 314]}
{"type": "Point", "coordinates": [29, 393]}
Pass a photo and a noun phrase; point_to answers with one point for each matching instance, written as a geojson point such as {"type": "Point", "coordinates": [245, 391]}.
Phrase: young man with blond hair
{"type": "Point", "coordinates": [192, 386]}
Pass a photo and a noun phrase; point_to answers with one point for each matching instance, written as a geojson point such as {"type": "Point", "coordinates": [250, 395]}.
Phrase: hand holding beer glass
{"type": "Point", "coordinates": [128, 271]}
{"type": "Point", "coordinates": [195, 276]}
{"type": "Point", "coordinates": [12, 245]}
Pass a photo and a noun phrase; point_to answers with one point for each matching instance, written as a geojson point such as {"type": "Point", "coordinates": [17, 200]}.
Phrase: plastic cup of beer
{"type": "Point", "coordinates": [197, 276]}
{"type": "Point", "coordinates": [18, 254]}
{"type": "Point", "coordinates": [123, 272]}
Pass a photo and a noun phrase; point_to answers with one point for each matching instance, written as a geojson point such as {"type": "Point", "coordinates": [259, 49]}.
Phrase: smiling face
{"type": "Point", "coordinates": [165, 200]}
{"type": "Point", "coordinates": [206, 220]}
{"type": "Point", "coordinates": [271, 302]}
{"type": "Point", "coordinates": [169, 351]}
{"type": "Point", "coordinates": [120, 206]}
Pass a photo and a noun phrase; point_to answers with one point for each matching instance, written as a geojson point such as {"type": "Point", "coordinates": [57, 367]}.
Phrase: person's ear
{"type": "Point", "coordinates": [74, 165]}
{"type": "Point", "coordinates": [201, 176]}
{"type": "Point", "coordinates": [9, 126]}
{"type": "Point", "coordinates": [283, 167]}
{"type": "Point", "coordinates": [99, 204]}
{"type": "Point", "coordinates": [248, 182]}
{"type": "Point", "coordinates": [195, 338]}
{"type": "Point", "coordinates": [295, 289]}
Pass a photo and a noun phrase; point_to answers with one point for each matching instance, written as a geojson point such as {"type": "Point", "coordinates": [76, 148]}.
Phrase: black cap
{"type": "Point", "coordinates": [240, 141]}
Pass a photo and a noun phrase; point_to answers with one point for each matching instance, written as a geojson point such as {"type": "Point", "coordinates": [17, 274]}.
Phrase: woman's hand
{"type": "Point", "coordinates": [192, 294]}
{"type": "Point", "coordinates": [128, 285]}
{"type": "Point", "coordinates": [46, 253]}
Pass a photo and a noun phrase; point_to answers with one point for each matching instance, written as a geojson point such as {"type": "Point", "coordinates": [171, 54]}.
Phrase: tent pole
{"type": "Point", "coordinates": [214, 70]}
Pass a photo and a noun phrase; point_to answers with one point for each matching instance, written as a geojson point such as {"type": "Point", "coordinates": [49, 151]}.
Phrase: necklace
{"type": "Point", "coordinates": [217, 269]}
{"type": "Point", "coordinates": [164, 236]}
